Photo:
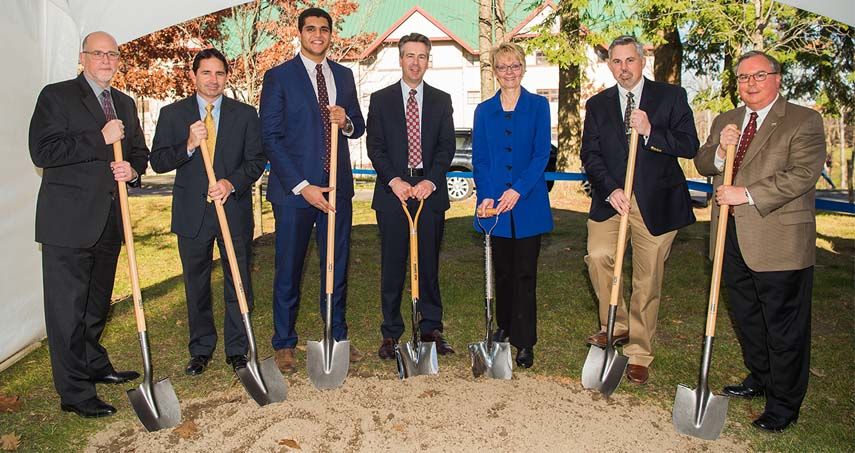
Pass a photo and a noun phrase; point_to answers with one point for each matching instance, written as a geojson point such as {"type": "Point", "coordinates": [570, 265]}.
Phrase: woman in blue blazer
{"type": "Point", "coordinates": [510, 149]}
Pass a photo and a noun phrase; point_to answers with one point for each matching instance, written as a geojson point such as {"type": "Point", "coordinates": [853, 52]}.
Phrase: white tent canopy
{"type": "Point", "coordinates": [839, 10]}
{"type": "Point", "coordinates": [41, 39]}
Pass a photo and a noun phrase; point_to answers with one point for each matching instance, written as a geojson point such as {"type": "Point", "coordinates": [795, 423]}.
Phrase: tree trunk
{"type": "Point", "coordinates": [485, 42]}
{"type": "Point", "coordinates": [728, 85]}
{"type": "Point", "coordinates": [668, 58]}
{"type": "Point", "coordinates": [569, 83]}
{"type": "Point", "coordinates": [258, 229]}
{"type": "Point", "coordinates": [499, 21]}
{"type": "Point", "coordinates": [841, 127]}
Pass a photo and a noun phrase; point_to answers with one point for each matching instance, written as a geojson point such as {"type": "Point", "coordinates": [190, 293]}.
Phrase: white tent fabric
{"type": "Point", "coordinates": [40, 39]}
{"type": "Point", "coordinates": [839, 10]}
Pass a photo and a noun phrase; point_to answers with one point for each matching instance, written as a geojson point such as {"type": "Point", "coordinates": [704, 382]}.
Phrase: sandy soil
{"type": "Point", "coordinates": [448, 412]}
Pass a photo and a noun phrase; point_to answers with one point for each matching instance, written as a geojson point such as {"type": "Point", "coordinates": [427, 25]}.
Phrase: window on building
{"type": "Point", "coordinates": [540, 58]}
{"type": "Point", "coordinates": [549, 93]}
{"type": "Point", "coordinates": [473, 97]}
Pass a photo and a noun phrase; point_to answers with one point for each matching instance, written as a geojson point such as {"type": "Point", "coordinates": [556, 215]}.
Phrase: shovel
{"type": "Point", "coordinates": [328, 360]}
{"type": "Point", "coordinates": [155, 404]}
{"type": "Point", "coordinates": [697, 412]}
{"type": "Point", "coordinates": [418, 357]}
{"type": "Point", "coordinates": [604, 367]}
{"type": "Point", "coordinates": [490, 358]}
{"type": "Point", "coordinates": [262, 380]}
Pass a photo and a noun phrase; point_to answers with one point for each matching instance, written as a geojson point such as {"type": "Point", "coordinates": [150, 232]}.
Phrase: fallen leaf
{"type": "Point", "coordinates": [429, 393]}
{"type": "Point", "coordinates": [10, 442]}
{"type": "Point", "coordinates": [186, 430]}
{"type": "Point", "coordinates": [817, 372]}
{"type": "Point", "coordinates": [290, 443]}
{"type": "Point", "coordinates": [9, 403]}
{"type": "Point", "coordinates": [301, 347]}
{"type": "Point", "coordinates": [399, 427]}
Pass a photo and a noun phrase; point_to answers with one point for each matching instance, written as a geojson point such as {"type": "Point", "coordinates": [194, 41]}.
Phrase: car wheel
{"type": "Point", "coordinates": [459, 188]}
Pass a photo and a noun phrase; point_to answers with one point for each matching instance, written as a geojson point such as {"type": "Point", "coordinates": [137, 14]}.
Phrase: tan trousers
{"type": "Point", "coordinates": [648, 267]}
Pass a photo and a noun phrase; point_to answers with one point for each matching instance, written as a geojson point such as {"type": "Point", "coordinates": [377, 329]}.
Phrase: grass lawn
{"type": "Point", "coordinates": [566, 313]}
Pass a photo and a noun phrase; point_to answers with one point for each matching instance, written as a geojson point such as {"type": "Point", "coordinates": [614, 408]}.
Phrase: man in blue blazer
{"type": "Point", "coordinates": [660, 203]}
{"type": "Point", "coordinates": [300, 99]}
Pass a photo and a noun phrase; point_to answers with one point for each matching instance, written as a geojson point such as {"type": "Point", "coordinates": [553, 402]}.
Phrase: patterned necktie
{"type": "Point", "coordinates": [745, 141]}
{"type": "Point", "coordinates": [323, 105]}
{"type": "Point", "coordinates": [107, 105]}
{"type": "Point", "coordinates": [414, 136]}
{"type": "Point", "coordinates": [630, 106]}
{"type": "Point", "coordinates": [211, 127]}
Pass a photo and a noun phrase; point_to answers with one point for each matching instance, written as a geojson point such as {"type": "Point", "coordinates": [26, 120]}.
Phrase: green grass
{"type": "Point", "coordinates": [566, 314]}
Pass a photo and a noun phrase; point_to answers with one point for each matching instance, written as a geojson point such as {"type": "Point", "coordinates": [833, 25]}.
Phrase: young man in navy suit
{"type": "Point", "coordinates": [300, 99]}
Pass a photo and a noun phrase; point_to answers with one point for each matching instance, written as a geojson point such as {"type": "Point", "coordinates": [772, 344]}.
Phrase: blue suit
{"type": "Point", "coordinates": [293, 140]}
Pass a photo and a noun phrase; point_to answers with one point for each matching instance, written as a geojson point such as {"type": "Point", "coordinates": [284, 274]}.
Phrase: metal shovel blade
{"type": "Point", "coordinates": [263, 381]}
{"type": "Point", "coordinates": [327, 370]}
{"type": "Point", "coordinates": [420, 359]}
{"type": "Point", "coordinates": [493, 363]}
{"type": "Point", "coordinates": [603, 369]}
{"type": "Point", "coordinates": [699, 413]}
{"type": "Point", "coordinates": [156, 405]}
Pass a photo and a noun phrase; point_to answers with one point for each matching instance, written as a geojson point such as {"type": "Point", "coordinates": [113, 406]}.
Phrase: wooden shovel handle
{"type": "Point", "coordinates": [414, 247]}
{"type": "Point", "coordinates": [129, 242]}
{"type": "Point", "coordinates": [624, 220]}
{"type": "Point", "coordinates": [331, 215]}
{"type": "Point", "coordinates": [718, 253]}
{"type": "Point", "coordinates": [225, 231]}
{"type": "Point", "coordinates": [489, 212]}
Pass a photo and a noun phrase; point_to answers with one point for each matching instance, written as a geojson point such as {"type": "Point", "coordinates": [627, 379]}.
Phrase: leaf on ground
{"type": "Point", "coordinates": [817, 372]}
{"type": "Point", "coordinates": [429, 393]}
{"type": "Point", "coordinates": [301, 347]}
{"type": "Point", "coordinates": [399, 427]}
{"type": "Point", "coordinates": [10, 442]}
{"type": "Point", "coordinates": [9, 403]}
{"type": "Point", "coordinates": [186, 430]}
{"type": "Point", "coordinates": [290, 443]}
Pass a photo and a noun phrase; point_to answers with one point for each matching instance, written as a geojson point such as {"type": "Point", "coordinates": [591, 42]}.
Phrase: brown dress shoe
{"type": "Point", "coordinates": [442, 346]}
{"type": "Point", "coordinates": [599, 339]}
{"type": "Point", "coordinates": [285, 360]}
{"type": "Point", "coordinates": [637, 374]}
{"type": "Point", "coordinates": [355, 354]}
{"type": "Point", "coordinates": [387, 349]}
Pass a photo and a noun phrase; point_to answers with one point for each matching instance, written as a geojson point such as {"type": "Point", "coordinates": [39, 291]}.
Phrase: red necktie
{"type": "Point", "coordinates": [107, 105]}
{"type": "Point", "coordinates": [744, 141]}
{"type": "Point", "coordinates": [323, 105]}
{"type": "Point", "coordinates": [414, 136]}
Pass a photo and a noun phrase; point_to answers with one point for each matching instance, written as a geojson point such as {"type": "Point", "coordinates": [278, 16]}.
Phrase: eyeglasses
{"type": "Point", "coordinates": [513, 68]}
{"type": "Point", "coordinates": [757, 76]}
{"type": "Point", "coordinates": [98, 55]}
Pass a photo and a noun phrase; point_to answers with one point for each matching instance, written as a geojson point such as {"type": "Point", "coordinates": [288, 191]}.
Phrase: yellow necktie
{"type": "Point", "coordinates": [212, 131]}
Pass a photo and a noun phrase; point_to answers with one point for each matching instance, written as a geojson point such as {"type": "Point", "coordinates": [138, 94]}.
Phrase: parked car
{"type": "Point", "coordinates": [460, 188]}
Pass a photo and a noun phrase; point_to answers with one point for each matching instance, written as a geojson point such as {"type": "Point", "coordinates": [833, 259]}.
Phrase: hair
{"type": "Point", "coordinates": [623, 40]}
{"type": "Point", "coordinates": [209, 53]}
{"type": "Point", "coordinates": [413, 37]}
{"type": "Point", "coordinates": [507, 48]}
{"type": "Point", "coordinates": [775, 64]}
{"type": "Point", "coordinates": [312, 12]}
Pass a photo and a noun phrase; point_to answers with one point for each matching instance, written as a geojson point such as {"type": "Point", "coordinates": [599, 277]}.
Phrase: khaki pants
{"type": "Point", "coordinates": [648, 267]}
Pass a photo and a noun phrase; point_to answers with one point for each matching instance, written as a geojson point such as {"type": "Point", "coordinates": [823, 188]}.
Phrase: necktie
{"type": "Point", "coordinates": [745, 141]}
{"type": "Point", "coordinates": [323, 105]}
{"type": "Point", "coordinates": [630, 106]}
{"type": "Point", "coordinates": [211, 127]}
{"type": "Point", "coordinates": [414, 136]}
{"type": "Point", "coordinates": [107, 105]}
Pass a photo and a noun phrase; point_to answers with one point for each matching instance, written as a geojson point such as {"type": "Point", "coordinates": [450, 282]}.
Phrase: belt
{"type": "Point", "coordinates": [414, 172]}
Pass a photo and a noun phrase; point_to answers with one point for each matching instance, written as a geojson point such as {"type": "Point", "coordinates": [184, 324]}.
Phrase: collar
{"type": "Point", "coordinates": [202, 103]}
{"type": "Point", "coordinates": [310, 65]}
{"type": "Point", "coordinates": [636, 91]}
{"type": "Point", "coordinates": [405, 89]}
{"type": "Point", "coordinates": [765, 110]}
{"type": "Point", "coordinates": [95, 87]}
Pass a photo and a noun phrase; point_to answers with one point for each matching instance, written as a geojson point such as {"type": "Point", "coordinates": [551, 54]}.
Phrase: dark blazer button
{"type": "Point", "coordinates": [509, 167]}
{"type": "Point", "coordinates": [508, 149]}
{"type": "Point", "coordinates": [507, 132]}
{"type": "Point", "coordinates": [507, 184]}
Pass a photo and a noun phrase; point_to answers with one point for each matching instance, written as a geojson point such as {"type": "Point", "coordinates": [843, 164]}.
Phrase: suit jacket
{"type": "Point", "coordinates": [238, 157]}
{"type": "Point", "coordinates": [659, 186]}
{"type": "Point", "coordinates": [780, 170]}
{"type": "Point", "coordinates": [77, 185]}
{"type": "Point", "coordinates": [388, 147]}
{"type": "Point", "coordinates": [513, 155]}
{"type": "Point", "coordinates": [292, 135]}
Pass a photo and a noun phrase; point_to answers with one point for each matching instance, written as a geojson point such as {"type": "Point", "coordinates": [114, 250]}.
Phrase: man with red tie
{"type": "Point", "coordinates": [411, 164]}
{"type": "Point", "coordinates": [770, 248]}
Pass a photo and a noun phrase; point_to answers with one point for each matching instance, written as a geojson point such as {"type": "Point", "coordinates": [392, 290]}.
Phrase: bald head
{"type": "Point", "coordinates": [99, 56]}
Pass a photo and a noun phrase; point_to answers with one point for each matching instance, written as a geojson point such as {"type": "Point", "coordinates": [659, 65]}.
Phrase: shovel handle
{"type": "Point", "coordinates": [488, 212]}
{"type": "Point", "coordinates": [624, 219]}
{"type": "Point", "coordinates": [718, 253]}
{"type": "Point", "coordinates": [331, 215]}
{"type": "Point", "coordinates": [414, 247]}
{"type": "Point", "coordinates": [129, 243]}
{"type": "Point", "coordinates": [226, 232]}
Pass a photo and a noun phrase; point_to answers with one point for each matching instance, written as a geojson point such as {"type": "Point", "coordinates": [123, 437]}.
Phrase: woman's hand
{"type": "Point", "coordinates": [507, 201]}
{"type": "Point", "coordinates": [486, 204]}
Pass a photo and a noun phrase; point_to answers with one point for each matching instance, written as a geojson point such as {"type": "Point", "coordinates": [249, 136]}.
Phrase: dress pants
{"type": "Point", "coordinates": [515, 265]}
{"type": "Point", "coordinates": [771, 313]}
{"type": "Point", "coordinates": [197, 261]}
{"type": "Point", "coordinates": [78, 285]}
{"type": "Point", "coordinates": [649, 254]}
{"type": "Point", "coordinates": [394, 267]}
{"type": "Point", "coordinates": [293, 231]}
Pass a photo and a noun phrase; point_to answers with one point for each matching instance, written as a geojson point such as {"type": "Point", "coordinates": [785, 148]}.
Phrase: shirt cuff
{"type": "Point", "coordinates": [748, 195]}
{"type": "Point", "coordinates": [348, 127]}
{"type": "Point", "coordinates": [299, 187]}
{"type": "Point", "coordinates": [718, 162]}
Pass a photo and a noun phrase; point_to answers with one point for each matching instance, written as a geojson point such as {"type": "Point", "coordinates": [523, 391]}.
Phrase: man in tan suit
{"type": "Point", "coordinates": [770, 245]}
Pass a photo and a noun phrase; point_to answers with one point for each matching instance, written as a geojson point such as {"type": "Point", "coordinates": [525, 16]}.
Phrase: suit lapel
{"type": "Point", "coordinates": [770, 123]}
{"type": "Point", "coordinates": [397, 105]}
{"type": "Point", "coordinates": [614, 114]}
{"type": "Point", "coordinates": [90, 101]}
{"type": "Point", "coordinates": [428, 110]}
{"type": "Point", "coordinates": [224, 131]}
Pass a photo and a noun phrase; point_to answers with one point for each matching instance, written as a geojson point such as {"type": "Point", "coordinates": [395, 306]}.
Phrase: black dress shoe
{"type": "Point", "coordinates": [387, 349]}
{"type": "Point", "coordinates": [500, 336]}
{"type": "Point", "coordinates": [197, 365]}
{"type": "Point", "coordinates": [236, 361]}
{"type": "Point", "coordinates": [742, 391]}
{"type": "Point", "coordinates": [93, 407]}
{"type": "Point", "coordinates": [773, 424]}
{"type": "Point", "coordinates": [525, 357]}
{"type": "Point", "coordinates": [442, 346]}
{"type": "Point", "coordinates": [116, 377]}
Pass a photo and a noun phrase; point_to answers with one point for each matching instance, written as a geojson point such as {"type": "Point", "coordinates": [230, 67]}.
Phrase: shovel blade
{"type": "Point", "coordinates": [156, 405]}
{"type": "Point", "coordinates": [327, 372]}
{"type": "Point", "coordinates": [419, 359]}
{"type": "Point", "coordinates": [699, 413]}
{"type": "Point", "coordinates": [263, 381]}
{"type": "Point", "coordinates": [493, 363]}
{"type": "Point", "coordinates": [603, 369]}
